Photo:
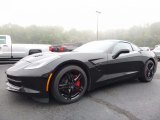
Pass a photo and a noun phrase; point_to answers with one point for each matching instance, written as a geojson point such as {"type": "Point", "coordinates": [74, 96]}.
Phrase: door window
{"type": "Point", "coordinates": [120, 46]}
{"type": "Point", "coordinates": [2, 39]}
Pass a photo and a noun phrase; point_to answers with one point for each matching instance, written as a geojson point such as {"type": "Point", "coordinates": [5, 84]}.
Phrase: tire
{"type": "Point", "coordinates": [148, 72]}
{"type": "Point", "coordinates": [33, 51]}
{"type": "Point", "coordinates": [69, 85]}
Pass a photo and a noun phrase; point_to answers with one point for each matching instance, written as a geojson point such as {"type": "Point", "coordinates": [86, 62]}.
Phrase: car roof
{"type": "Point", "coordinates": [112, 40]}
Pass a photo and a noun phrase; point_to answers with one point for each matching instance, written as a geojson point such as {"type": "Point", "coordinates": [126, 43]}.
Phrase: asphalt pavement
{"type": "Point", "coordinates": [127, 100]}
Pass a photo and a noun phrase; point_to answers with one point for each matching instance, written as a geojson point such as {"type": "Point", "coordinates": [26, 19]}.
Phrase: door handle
{"type": "Point", "coordinates": [5, 45]}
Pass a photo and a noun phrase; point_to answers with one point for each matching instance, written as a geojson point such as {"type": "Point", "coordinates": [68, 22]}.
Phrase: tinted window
{"type": "Point", "coordinates": [120, 46]}
{"type": "Point", "coordinates": [96, 46]}
{"type": "Point", "coordinates": [2, 39]}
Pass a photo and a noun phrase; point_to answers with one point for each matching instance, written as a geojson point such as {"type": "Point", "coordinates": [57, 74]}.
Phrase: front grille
{"type": "Point", "coordinates": [14, 81]}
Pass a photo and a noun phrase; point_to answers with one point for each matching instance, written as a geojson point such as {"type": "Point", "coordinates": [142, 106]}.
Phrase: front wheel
{"type": "Point", "coordinates": [69, 85]}
{"type": "Point", "coordinates": [148, 71]}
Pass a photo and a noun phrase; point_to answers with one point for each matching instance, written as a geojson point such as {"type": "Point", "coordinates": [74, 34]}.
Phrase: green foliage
{"type": "Point", "coordinates": [142, 36]}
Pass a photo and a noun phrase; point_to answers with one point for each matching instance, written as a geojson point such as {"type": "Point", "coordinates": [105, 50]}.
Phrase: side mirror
{"type": "Point", "coordinates": [120, 52]}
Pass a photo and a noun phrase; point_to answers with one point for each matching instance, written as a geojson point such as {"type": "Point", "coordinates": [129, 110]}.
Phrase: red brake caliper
{"type": "Point", "coordinates": [77, 83]}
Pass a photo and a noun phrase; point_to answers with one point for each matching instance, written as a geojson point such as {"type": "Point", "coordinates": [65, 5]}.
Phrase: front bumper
{"type": "Point", "coordinates": [31, 86]}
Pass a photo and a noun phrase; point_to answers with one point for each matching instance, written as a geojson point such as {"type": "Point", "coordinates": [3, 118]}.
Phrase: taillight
{"type": "Point", "coordinates": [51, 48]}
{"type": "Point", "coordinates": [61, 49]}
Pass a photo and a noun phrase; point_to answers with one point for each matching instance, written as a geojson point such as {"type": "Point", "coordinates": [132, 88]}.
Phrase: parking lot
{"type": "Point", "coordinates": [127, 100]}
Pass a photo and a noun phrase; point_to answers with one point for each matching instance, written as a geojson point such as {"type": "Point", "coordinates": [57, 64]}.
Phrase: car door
{"type": "Point", "coordinates": [5, 47]}
{"type": "Point", "coordinates": [125, 65]}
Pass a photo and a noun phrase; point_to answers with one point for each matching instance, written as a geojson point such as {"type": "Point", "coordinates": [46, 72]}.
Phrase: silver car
{"type": "Point", "coordinates": [157, 52]}
{"type": "Point", "coordinates": [145, 48]}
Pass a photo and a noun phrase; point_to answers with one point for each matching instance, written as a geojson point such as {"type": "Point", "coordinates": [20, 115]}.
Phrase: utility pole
{"type": "Point", "coordinates": [98, 13]}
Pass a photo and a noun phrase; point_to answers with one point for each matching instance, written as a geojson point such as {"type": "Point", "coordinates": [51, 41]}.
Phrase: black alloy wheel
{"type": "Point", "coordinates": [69, 84]}
{"type": "Point", "coordinates": [148, 72]}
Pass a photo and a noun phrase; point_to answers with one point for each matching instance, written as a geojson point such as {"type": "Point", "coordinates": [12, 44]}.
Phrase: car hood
{"type": "Point", "coordinates": [50, 61]}
{"type": "Point", "coordinates": [64, 55]}
{"type": "Point", "coordinates": [40, 56]}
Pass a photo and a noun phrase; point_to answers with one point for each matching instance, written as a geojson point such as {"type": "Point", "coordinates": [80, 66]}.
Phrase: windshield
{"type": "Point", "coordinates": [95, 46]}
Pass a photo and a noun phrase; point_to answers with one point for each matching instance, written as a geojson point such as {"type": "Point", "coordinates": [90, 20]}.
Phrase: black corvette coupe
{"type": "Point", "coordinates": [67, 76]}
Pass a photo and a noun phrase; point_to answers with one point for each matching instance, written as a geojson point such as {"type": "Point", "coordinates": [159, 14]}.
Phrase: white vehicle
{"type": "Point", "coordinates": [9, 50]}
{"type": "Point", "coordinates": [157, 46]}
{"type": "Point", "coordinates": [157, 51]}
{"type": "Point", "coordinates": [145, 48]}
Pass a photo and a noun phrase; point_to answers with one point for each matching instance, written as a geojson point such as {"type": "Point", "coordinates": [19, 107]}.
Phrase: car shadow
{"type": "Point", "coordinates": [115, 85]}
{"type": "Point", "coordinates": [28, 101]}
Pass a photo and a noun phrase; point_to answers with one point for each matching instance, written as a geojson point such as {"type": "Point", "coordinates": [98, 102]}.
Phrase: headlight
{"type": "Point", "coordinates": [41, 63]}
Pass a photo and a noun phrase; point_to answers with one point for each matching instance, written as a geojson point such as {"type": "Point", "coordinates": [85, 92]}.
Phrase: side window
{"type": "Point", "coordinates": [120, 46]}
{"type": "Point", "coordinates": [2, 39]}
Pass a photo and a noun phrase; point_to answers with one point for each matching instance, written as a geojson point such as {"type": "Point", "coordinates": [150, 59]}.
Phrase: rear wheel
{"type": "Point", "coordinates": [148, 72]}
{"type": "Point", "coordinates": [69, 85]}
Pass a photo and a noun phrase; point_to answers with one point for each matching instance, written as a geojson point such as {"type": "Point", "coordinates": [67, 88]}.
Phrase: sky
{"type": "Point", "coordinates": [80, 14]}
